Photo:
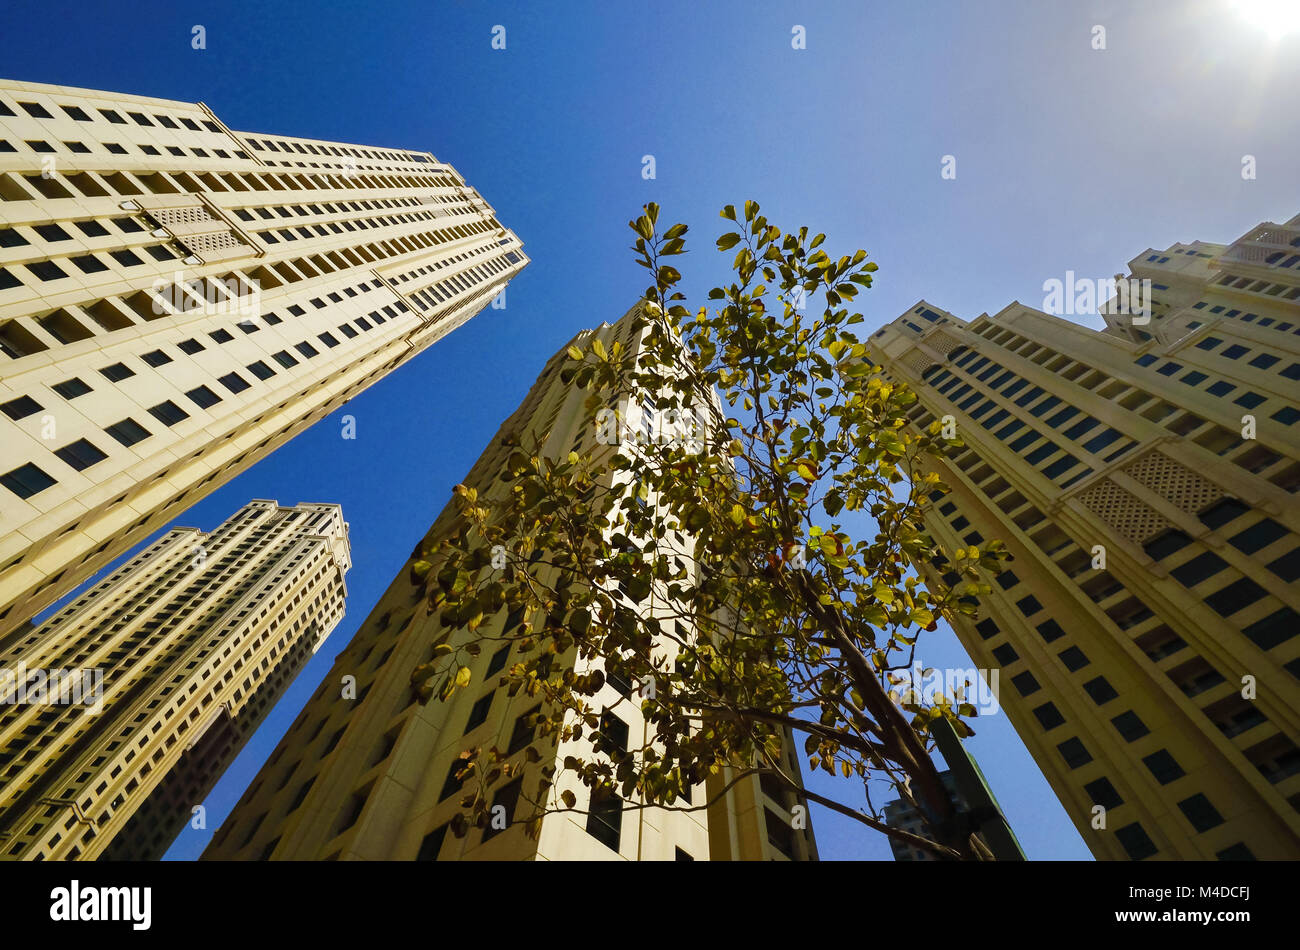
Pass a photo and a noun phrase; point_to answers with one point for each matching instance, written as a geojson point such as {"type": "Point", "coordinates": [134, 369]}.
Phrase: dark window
{"type": "Point", "coordinates": [1007, 580]}
{"type": "Point", "coordinates": [1236, 596]}
{"type": "Point", "coordinates": [614, 732]}
{"type": "Point", "coordinates": [1074, 753]}
{"type": "Point", "coordinates": [80, 454]}
{"type": "Point", "coordinates": [1136, 843]}
{"type": "Point", "coordinates": [605, 821]}
{"type": "Point", "coordinates": [1025, 683]}
{"type": "Point", "coordinates": [1163, 766]}
{"type": "Point", "coordinates": [498, 661]}
{"type": "Point", "coordinates": [1198, 569]}
{"type": "Point", "coordinates": [156, 358]}
{"type": "Point", "coordinates": [523, 732]}
{"type": "Point", "coordinates": [21, 408]}
{"type": "Point", "coordinates": [26, 480]}
{"type": "Point", "coordinates": [128, 431]}
{"type": "Point", "coordinates": [168, 413]}
{"type": "Point", "coordinates": [1100, 690]}
{"type": "Point", "coordinates": [116, 373]}
{"type": "Point", "coordinates": [1166, 543]}
{"type": "Point", "coordinates": [1029, 605]}
{"type": "Point", "coordinates": [261, 370]}
{"type": "Point", "coordinates": [89, 264]}
{"type": "Point", "coordinates": [1200, 812]}
{"type": "Point", "coordinates": [507, 798]}
{"type": "Point", "coordinates": [71, 388]}
{"type": "Point", "coordinates": [1130, 726]}
{"type": "Point", "coordinates": [221, 336]}
{"type": "Point", "coordinates": [454, 781]}
{"type": "Point", "coordinates": [1049, 716]}
{"type": "Point", "coordinates": [1073, 658]}
{"type": "Point", "coordinates": [1277, 627]}
{"type": "Point", "coordinates": [1236, 852]}
{"type": "Point", "coordinates": [479, 712]}
{"type": "Point", "coordinates": [1005, 654]}
{"type": "Point", "coordinates": [432, 843]}
{"type": "Point", "coordinates": [203, 397]}
{"type": "Point", "coordinates": [1050, 630]}
{"type": "Point", "coordinates": [190, 346]}
{"type": "Point", "coordinates": [987, 628]}
{"type": "Point", "coordinates": [234, 382]}
{"type": "Point", "coordinates": [1258, 535]}
{"type": "Point", "coordinates": [1103, 793]}
{"type": "Point", "coordinates": [284, 359]}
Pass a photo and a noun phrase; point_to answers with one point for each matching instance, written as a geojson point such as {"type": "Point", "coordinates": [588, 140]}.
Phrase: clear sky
{"type": "Point", "coordinates": [1067, 158]}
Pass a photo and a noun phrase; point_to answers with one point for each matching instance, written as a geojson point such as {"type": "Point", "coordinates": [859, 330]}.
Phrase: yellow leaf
{"type": "Point", "coordinates": [598, 348]}
{"type": "Point", "coordinates": [462, 676]}
{"type": "Point", "coordinates": [575, 353]}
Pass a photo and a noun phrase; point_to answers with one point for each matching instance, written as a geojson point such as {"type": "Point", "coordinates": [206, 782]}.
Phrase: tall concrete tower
{"type": "Point", "coordinates": [163, 670]}
{"type": "Point", "coordinates": [1144, 476]}
{"type": "Point", "coordinates": [370, 773]}
{"type": "Point", "coordinates": [178, 299]}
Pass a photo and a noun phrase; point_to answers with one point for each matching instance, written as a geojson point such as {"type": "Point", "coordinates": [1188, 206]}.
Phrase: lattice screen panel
{"type": "Point", "coordinates": [1131, 517]}
{"type": "Point", "coordinates": [1173, 481]}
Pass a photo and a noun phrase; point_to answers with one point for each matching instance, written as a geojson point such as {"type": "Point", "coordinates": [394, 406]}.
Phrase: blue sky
{"type": "Point", "coordinates": [1067, 158]}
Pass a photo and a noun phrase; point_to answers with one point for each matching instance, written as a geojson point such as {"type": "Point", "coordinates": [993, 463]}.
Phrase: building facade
{"type": "Point", "coordinates": [180, 653]}
{"type": "Point", "coordinates": [1144, 477]}
{"type": "Point", "coordinates": [178, 299]}
{"type": "Point", "coordinates": [374, 777]}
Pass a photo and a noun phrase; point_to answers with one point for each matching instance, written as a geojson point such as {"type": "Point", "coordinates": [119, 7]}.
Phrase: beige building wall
{"type": "Point", "coordinates": [1144, 478]}
{"type": "Point", "coordinates": [196, 639]}
{"type": "Point", "coordinates": [370, 778]}
{"type": "Point", "coordinates": [178, 299]}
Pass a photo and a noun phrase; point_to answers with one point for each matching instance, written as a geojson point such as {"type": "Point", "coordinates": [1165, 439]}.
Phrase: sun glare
{"type": "Point", "coordinates": [1275, 17]}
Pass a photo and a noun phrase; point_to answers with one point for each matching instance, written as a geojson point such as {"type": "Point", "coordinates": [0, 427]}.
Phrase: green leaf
{"type": "Point", "coordinates": [728, 241]}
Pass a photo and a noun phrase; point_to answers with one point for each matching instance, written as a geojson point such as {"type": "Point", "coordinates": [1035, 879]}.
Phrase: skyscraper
{"type": "Point", "coordinates": [1144, 478]}
{"type": "Point", "coordinates": [180, 654]}
{"type": "Point", "coordinates": [177, 300]}
{"type": "Point", "coordinates": [374, 777]}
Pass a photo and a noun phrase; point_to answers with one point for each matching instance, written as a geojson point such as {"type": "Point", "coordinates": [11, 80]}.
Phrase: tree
{"type": "Point", "coordinates": [708, 564]}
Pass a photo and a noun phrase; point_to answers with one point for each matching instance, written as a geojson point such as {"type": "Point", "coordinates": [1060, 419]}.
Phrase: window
{"type": "Point", "coordinates": [1050, 630]}
{"type": "Point", "coordinates": [128, 432]}
{"type": "Point", "coordinates": [605, 821]}
{"type": "Point", "coordinates": [1029, 605]}
{"type": "Point", "coordinates": [680, 855]}
{"type": "Point", "coordinates": [987, 628]}
{"type": "Point", "coordinates": [1073, 658]}
{"type": "Point", "coordinates": [80, 454]}
{"type": "Point", "coordinates": [1049, 716]}
{"type": "Point", "coordinates": [234, 382]}
{"type": "Point", "coordinates": [26, 480]}
{"type": "Point", "coordinates": [156, 358]}
{"type": "Point", "coordinates": [1100, 690]}
{"type": "Point", "coordinates": [1198, 569]}
{"type": "Point", "coordinates": [45, 270]}
{"type": "Point", "coordinates": [479, 712]}
{"type": "Point", "coordinates": [21, 408]}
{"type": "Point", "coordinates": [71, 388]}
{"type": "Point", "coordinates": [432, 843]}
{"type": "Point", "coordinates": [1163, 766]}
{"type": "Point", "coordinates": [1222, 512]}
{"type": "Point", "coordinates": [1166, 543]}
{"type": "Point", "coordinates": [116, 373]}
{"type": "Point", "coordinates": [1136, 842]}
{"type": "Point", "coordinates": [284, 359]}
{"type": "Point", "coordinates": [524, 731]}
{"type": "Point", "coordinates": [1025, 683]}
{"type": "Point", "coordinates": [221, 336]}
{"type": "Point", "coordinates": [506, 799]}
{"type": "Point", "coordinates": [1005, 654]}
{"type": "Point", "coordinates": [1074, 753]}
{"type": "Point", "coordinates": [1200, 812]}
{"type": "Point", "coordinates": [1103, 793]}
{"type": "Point", "coordinates": [89, 264]}
{"type": "Point", "coordinates": [1264, 361]}
{"type": "Point", "coordinates": [261, 370]}
{"type": "Point", "coordinates": [168, 413]}
{"type": "Point", "coordinates": [613, 732]}
{"type": "Point", "coordinates": [203, 397]}
{"type": "Point", "coordinates": [498, 661]}
{"type": "Point", "coordinates": [455, 779]}
{"type": "Point", "coordinates": [190, 346]}
{"type": "Point", "coordinates": [1130, 726]}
